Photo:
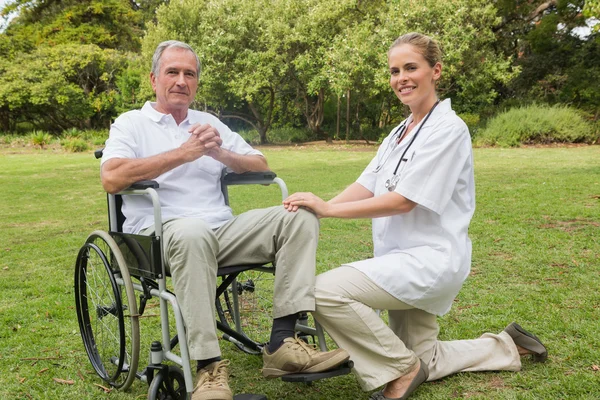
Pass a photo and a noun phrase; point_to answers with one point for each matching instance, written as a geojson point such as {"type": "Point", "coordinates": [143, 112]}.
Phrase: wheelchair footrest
{"type": "Point", "coordinates": [343, 369]}
{"type": "Point", "coordinates": [246, 396]}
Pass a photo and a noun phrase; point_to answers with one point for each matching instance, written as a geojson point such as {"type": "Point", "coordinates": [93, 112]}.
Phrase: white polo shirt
{"type": "Point", "coordinates": [190, 190]}
{"type": "Point", "coordinates": [423, 257]}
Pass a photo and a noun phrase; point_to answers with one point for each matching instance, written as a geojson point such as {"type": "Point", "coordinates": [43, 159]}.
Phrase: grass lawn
{"type": "Point", "coordinates": [536, 245]}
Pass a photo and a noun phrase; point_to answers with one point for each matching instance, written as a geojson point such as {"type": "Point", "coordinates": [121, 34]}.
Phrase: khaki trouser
{"type": "Point", "coordinates": [346, 299]}
{"type": "Point", "coordinates": [194, 251]}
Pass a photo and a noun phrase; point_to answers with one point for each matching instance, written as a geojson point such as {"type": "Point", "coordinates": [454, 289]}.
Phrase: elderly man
{"type": "Point", "coordinates": [185, 151]}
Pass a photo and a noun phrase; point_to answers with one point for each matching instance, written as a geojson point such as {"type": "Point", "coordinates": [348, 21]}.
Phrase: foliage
{"type": "Point", "coordinates": [105, 23]}
{"type": "Point", "coordinates": [592, 10]}
{"type": "Point", "coordinates": [559, 65]}
{"type": "Point", "coordinates": [536, 124]}
{"type": "Point", "coordinates": [472, 120]}
{"type": "Point", "coordinates": [312, 64]}
{"type": "Point", "coordinates": [40, 138]}
{"type": "Point", "coordinates": [64, 86]}
{"type": "Point", "coordinates": [311, 50]}
{"type": "Point", "coordinates": [74, 144]}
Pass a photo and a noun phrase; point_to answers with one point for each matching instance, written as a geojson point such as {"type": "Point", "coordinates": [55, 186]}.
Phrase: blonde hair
{"type": "Point", "coordinates": [428, 47]}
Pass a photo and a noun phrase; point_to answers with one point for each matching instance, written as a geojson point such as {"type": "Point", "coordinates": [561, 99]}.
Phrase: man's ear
{"type": "Point", "coordinates": [153, 81]}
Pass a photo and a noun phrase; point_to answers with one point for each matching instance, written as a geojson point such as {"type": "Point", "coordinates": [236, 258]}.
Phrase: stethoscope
{"type": "Point", "coordinates": [391, 183]}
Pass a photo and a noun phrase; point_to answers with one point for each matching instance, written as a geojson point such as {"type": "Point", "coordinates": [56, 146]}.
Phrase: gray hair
{"type": "Point", "coordinates": [171, 44]}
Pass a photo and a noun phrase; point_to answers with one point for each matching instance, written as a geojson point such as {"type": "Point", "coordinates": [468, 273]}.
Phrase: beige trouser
{"type": "Point", "coordinates": [346, 299]}
{"type": "Point", "coordinates": [194, 251]}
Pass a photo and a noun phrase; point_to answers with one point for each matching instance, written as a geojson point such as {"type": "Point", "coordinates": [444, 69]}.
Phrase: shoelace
{"type": "Point", "coordinates": [219, 373]}
{"type": "Point", "coordinates": [216, 377]}
{"type": "Point", "coordinates": [309, 348]}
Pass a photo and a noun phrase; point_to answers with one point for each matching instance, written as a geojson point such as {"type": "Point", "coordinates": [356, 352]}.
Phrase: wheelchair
{"type": "Point", "coordinates": [114, 268]}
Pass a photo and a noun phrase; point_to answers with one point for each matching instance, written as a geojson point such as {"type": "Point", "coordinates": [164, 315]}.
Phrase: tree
{"type": "Point", "coordinates": [56, 88]}
{"type": "Point", "coordinates": [559, 64]}
{"type": "Point", "coordinates": [106, 23]}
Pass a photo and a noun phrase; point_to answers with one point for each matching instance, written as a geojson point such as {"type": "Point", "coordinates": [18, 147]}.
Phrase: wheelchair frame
{"type": "Point", "coordinates": [111, 250]}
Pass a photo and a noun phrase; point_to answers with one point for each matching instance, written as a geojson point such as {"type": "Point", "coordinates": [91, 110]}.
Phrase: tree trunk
{"type": "Point", "coordinates": [4, 119]}
{"type": "Point", "coordinates": [337, 122]}
{"type": "Point", "coordinates": [314, 113]}
{"type": "Point", "coordinates": [348, 116]}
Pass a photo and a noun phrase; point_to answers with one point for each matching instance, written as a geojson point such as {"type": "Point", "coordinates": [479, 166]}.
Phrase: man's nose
{"type": "Point", "coordinates": [181, 79]}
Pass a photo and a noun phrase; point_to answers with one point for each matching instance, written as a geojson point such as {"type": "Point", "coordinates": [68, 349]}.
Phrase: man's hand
{"type": "Point", "coordinates": [204, 141]}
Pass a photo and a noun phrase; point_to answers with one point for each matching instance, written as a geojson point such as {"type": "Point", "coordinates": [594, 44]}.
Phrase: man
{"type": "Point", "coordinates": [185, 151]}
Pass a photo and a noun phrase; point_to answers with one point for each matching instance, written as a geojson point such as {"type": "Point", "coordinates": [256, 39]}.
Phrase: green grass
{"type": "Point", "coordinates": [536, 260]}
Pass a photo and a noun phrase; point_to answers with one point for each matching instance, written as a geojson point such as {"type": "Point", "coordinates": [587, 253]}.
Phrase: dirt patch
{"type": "Point", "coordinates": [570, 225]}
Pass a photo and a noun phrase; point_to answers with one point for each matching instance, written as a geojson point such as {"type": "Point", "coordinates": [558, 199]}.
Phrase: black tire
{"type": "Point", "coordinates": [254, 292]}
{"type": "Point", "coordinates": [107, 310]}
{"type": "Point", "coordinates": [168, 385]}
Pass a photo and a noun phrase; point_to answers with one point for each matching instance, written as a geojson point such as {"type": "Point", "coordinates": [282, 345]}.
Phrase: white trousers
{"type": "Point", "coordinates": [194, 251]}
{"type": "Point", "coordinates": [346, 304]}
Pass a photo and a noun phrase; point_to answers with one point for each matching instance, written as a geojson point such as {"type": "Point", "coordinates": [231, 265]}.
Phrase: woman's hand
{"type": "Point", "coordinates": [309, 201]}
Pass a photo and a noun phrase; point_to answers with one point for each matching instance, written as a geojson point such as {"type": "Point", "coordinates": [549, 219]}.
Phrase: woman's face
{"type": "Point", "coordinates": [411, 77]}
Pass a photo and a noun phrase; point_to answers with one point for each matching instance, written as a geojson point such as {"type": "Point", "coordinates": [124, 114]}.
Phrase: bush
{"type": "Point", "coordinates": [472, 121]}
{"type": "Point", "coordinates": [251, 137]}
{"type": "Point", "coordinates": [536, 124]}
{"type": "Point", "coordinates": [40, 138]}
{"type": "Point", "coordinates": [74, 145]}
{"type": "Point", "coordinates": [287, 135]}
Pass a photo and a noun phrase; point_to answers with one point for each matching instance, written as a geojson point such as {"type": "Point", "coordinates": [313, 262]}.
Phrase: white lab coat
{"type": "Point", "coordinates": [423, 257]}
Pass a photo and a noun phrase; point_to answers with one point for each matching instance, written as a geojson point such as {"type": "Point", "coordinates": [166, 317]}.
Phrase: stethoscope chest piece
{"type": "Point", "coordinates": [391, 183]}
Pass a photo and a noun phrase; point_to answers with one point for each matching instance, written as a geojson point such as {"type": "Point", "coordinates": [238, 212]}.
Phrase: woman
{"type": "Point", "coordinates": [419, 190]}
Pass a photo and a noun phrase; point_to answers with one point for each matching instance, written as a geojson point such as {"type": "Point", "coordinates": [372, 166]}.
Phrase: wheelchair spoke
{"type": "Point", "coordinates": [109, 332]}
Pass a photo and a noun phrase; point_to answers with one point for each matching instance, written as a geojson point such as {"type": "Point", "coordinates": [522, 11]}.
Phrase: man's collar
{"type": "Point", "coordinates": [156, 116]}
{"type": "Point", "coordinates": [149, 111]}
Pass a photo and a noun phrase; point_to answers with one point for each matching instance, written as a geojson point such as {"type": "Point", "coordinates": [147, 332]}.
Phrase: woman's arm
{"type": "Point", "coordinates": [373, 207]}
{"type": "Point", "coordinates": [354, 192]}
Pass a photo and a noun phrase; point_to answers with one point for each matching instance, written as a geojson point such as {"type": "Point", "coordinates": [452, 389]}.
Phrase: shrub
{"type": "Point", "coordinates": [287, 135]}
{"type": "Point", "coordinates": [251, 136]}
{"type": "Point", "coordinates": [536, 124]}
{"type": "Point", "coordinates": [74, 145]}
{"type": "Point", "coordinates": [73, 133]}
{"type": "Point", "coordinates": [13, 140]}
{"type": "Point", "coordinates": [472, 121]}
{"type": "Point", "coordinates": [40, 138]}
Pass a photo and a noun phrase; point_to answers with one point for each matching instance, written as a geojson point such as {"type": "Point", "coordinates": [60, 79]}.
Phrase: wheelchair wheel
{"type": "Point", "coordinates": [107, 310]}
{"type": "Point", "coordinates": [168, 385]}
{"type": "Point", "coordinates": [247, 308]}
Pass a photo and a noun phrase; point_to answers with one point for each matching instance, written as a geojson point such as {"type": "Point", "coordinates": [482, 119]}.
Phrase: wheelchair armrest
{"type": "Point", "coordinates": [248, 178]}
{"type": "Point", "coordinates": [144, 185]}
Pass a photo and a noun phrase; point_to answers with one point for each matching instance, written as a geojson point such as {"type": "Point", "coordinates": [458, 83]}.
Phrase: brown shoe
{"type": "Point", "coordinates": [527, 341]}
{"type": "Point", "coordinates": [212, 382]}
{"type": "Point", "coordinates": [296, 356]}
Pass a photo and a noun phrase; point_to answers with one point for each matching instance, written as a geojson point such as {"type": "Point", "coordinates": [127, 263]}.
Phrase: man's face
{"type": "Point", "coordinates": [177, 80]}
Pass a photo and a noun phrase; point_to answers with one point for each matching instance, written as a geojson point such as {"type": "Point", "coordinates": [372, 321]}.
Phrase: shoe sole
{"type": "Point", "coordinates": [330, 363]}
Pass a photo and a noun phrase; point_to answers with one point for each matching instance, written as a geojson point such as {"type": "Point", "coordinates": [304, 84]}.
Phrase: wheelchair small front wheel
{"type": "Point", "coordinates": [107, 310]}
{"type": "Point", "coordinates": [168, 384]}
{"type": "Point", "coordinates": [247, 306]}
